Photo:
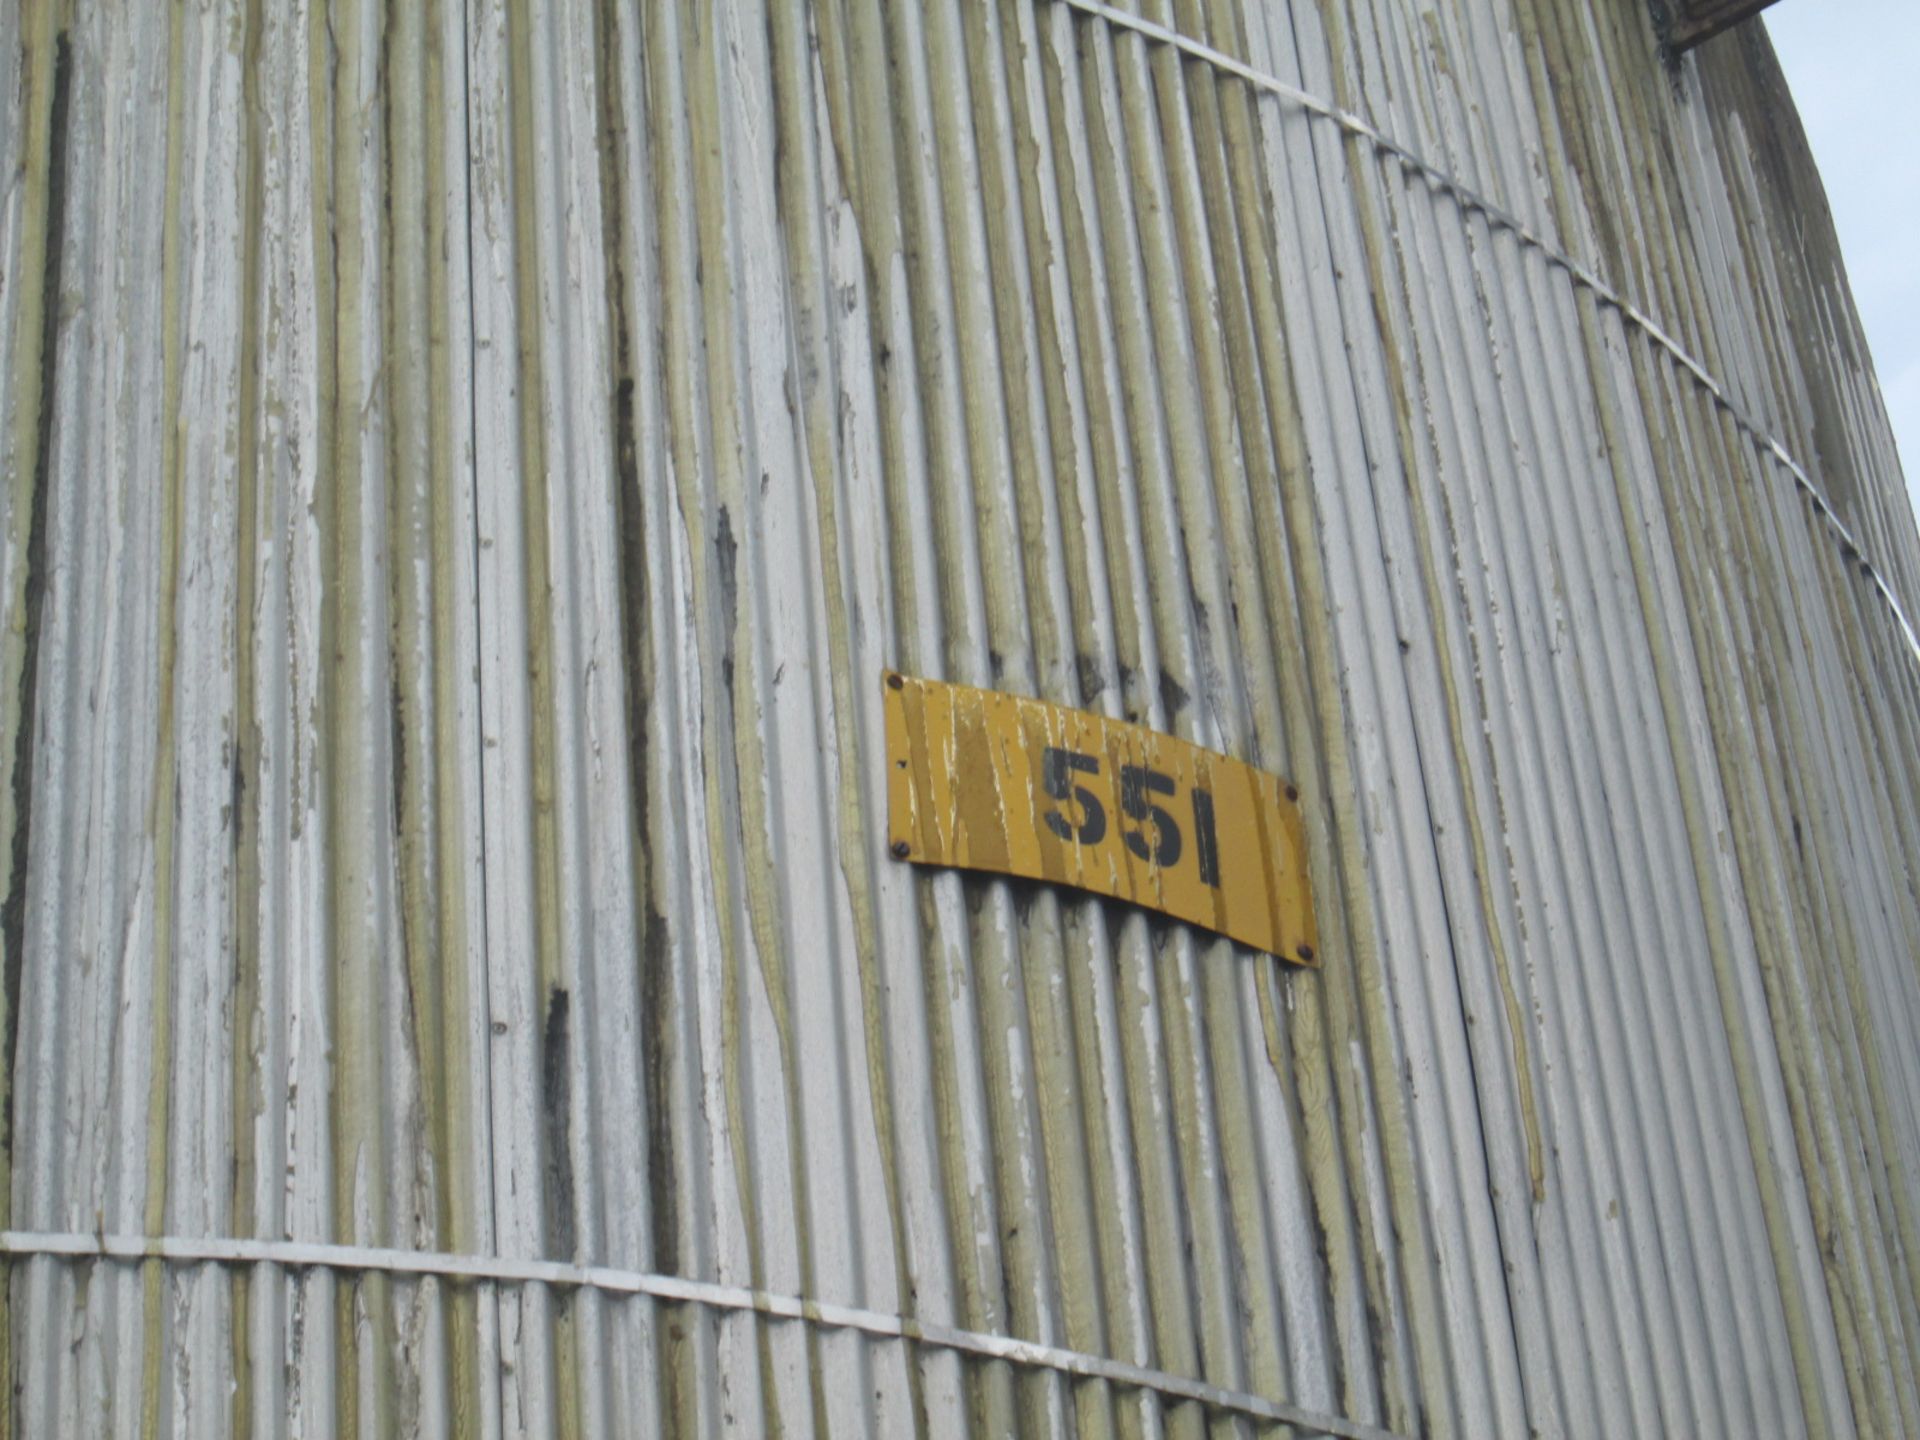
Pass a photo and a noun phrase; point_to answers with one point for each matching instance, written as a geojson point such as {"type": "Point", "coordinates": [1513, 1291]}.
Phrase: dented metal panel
{"type": "Point", "coordinates": [464, 466]}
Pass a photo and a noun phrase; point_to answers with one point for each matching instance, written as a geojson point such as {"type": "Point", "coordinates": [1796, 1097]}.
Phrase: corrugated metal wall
{"type": "Point", "coordinates": [466, 467]}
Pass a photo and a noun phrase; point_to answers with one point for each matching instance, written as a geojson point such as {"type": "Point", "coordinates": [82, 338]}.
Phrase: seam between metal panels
{"type": "Point", "coordinates": [480, 831]}
{"type": "Point", "coordinates": [1500, 218]}
{"type": "Point", "coordinates": [479, 620]}
{"type": "Point", "coordinates": [357, 1259]}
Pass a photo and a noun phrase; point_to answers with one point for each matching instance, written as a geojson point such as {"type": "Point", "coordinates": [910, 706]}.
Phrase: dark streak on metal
{"type": "Point", "coordinates": [13, 907]}
{"type": "Point", "coordinates": [396, 712]}
{"type": "Point", "coordinates": [248, 1101]}
{"type": "Point", "coordinates": [237, 788]}
{"type": "Point", "coordinates": [556, 1110]}
{"type": "Point", "coordinates": [1173, 696]}
{"type": "Point", "coordinates": [728, 551]}
{"type": "Point", "coordinates": [1091, 681]}
{"type": "Point", "coordinates": [656, 991]}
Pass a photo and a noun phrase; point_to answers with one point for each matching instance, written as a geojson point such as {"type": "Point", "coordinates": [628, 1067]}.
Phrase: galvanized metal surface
{"type": "Point", "coordinates": [463, 467]}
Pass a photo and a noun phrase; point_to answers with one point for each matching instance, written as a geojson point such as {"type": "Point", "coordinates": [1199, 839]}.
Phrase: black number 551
{"type": "Point", "coordinates": [1059, 775]}
{"type": "Point", "coordinates": [1056, 773]}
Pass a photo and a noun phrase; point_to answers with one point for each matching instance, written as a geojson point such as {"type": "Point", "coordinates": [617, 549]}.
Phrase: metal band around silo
{"type": "Point", "coordinates": [673, 1289]}
{"type": "Point", "coordinates": [1471, 199]}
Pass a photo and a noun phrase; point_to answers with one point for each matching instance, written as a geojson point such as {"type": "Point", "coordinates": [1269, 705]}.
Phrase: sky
{"type": "Point", "coordinates": [1854, 68]}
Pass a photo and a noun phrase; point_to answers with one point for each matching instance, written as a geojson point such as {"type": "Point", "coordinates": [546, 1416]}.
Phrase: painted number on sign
{"type": "Point", "coordinates": [1137, 783]}
{"type": "Point", "coordinates": [986, 781]}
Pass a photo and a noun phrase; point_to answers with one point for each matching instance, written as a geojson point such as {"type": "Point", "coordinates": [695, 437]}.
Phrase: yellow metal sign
{"type": "Point", "coordinates": [985, 781]}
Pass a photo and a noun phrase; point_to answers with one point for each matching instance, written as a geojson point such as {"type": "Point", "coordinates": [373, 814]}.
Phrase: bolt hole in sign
{"type": "Point", "coordinates": [978, 780]}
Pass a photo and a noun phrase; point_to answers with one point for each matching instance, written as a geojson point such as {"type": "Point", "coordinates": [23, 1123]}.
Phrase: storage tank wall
{"type": "Point", "coordinates": [467, 469]}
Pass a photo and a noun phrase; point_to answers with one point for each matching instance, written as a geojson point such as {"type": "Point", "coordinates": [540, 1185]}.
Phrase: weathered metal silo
{"type": "Point", "coordinates": [468, 468]}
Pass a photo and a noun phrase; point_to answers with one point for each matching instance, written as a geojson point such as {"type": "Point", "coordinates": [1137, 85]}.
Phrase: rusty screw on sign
{"type": "Point", "coordinates": [894, 680]}
{"type": "Point", "coordinates": [1305, 952]}
{"type": "Point", "coordinates": [901, 849]}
